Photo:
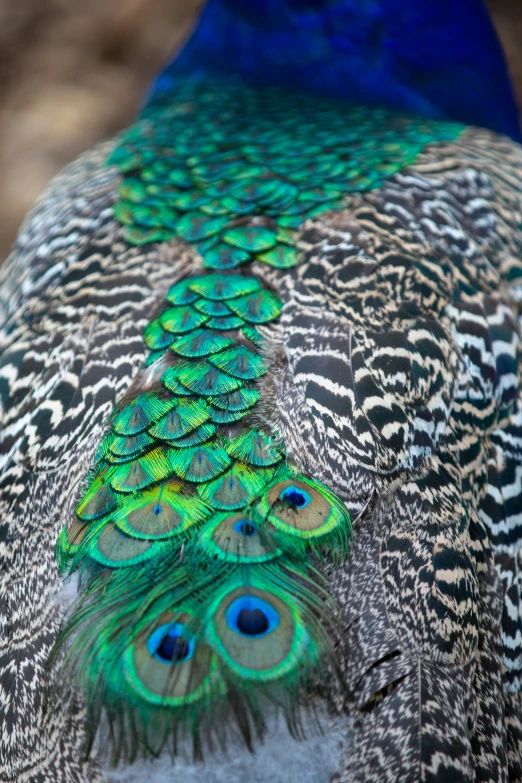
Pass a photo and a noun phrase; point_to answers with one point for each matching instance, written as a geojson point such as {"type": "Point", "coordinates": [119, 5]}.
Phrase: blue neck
{"type": "Point", "coordinates": [439, 58]}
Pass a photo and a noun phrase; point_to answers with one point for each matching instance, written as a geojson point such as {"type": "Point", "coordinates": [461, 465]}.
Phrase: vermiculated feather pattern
{"type": "Point", "coordinates": [435, 254]}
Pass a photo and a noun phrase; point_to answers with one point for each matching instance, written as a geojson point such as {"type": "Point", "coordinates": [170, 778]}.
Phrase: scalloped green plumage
{"type": "Point", "coordinates": [180, 320]}
{"type": "Point", "coordinates": [140, 473]}
{"type": "Point", "coordinates": [253, 335]}
{"type": "Point", "coordinates": [280, 257]}
{"type": "Point", "coordinates": [225, 323]}
{"type": "Point", "coordinates": [253, 239]}
{"type": "Point", "coordinates": [199, 464]}
{"type": "Point", "coordinates": [171, 382]}
{"type": "Point", "coordinates": [201, 377]}
{"type": "Point", "coordinates": [181, 420]}
{"type": "Point", "coordinates": [239, 362]}
{"type": "Point", "coordinates": [290, 221]}
{"type": "Point", "coordinates": [231, 172]}
{"type": "Point", "coordinates": [255, 448]}
{"type": "Point", "coordinates": [220, 416]}
{"type": "Point", "coordinates": [200, 343]}
{"type": "Point", "coordinates": [123, 213]}
{"type": "Point", "coordinates": [143, 236]}
{"type": "Point", "coordinates": [257, 308]}
{"type": "Point", "coordinates": [98, 501]}
{"type": "Point", "coordinates": [156, 338]}
{"type": "Point", "coordinates": [223, 256]}
{"type": "Point", "coordinates": [132, 190]}
{"type": "Point", "coordinates": [195, 226]}
{"type": "Point", "coordinates": [199, 435]}
{"type": "Point", "coordinates": [191, 200]}
{"type": "Point", "coordinates": [236, 487]}
{"type": "Point", "coordinates": [224, 287]}
{"type": "Point", "coordinates": [239, 400]}
{"type": "Point", "coordinates": [138, 414]}
{"type": "Point", "coordinates": [213, 308]}
{"type": "Point", "coordinates": [129, 446]}
{"type": "Point", "coordinates": [181, 293]}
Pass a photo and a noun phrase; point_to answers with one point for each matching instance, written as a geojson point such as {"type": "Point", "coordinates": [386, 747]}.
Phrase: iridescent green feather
{"type": "Point", "coordinates": [195, 531]}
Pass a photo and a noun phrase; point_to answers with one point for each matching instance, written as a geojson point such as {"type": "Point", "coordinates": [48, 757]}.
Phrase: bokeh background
{"type": "Point", "coordinates": [74, 71]}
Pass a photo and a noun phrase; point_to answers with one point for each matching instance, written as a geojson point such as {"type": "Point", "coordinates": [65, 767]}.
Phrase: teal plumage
{"type": "Point", "coordinates": [181, 478]}
{"type": "Point", "coordinates": [185, 472]}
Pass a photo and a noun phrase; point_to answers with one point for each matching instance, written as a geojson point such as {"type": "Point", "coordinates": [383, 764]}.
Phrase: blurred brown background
{"type": "Point", "coordinates": [74, 71]}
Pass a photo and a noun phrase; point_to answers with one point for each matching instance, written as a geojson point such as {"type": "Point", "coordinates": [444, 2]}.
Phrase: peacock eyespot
{"type": "Point", "coordinates": [252, 617]}
{"type": "Point", "coordinates": [245, 528]}
{"type": "Point", "coordinates": [171, 644]}
{"type": "Point", "coordinates": [295, 496]}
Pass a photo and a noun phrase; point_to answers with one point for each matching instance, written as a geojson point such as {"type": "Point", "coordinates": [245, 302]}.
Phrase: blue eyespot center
{"type": "Point", "coordinates": [252, 622]}
{"type": "Point", "coordinates": [173, 649]}
{"type": "Point", "coordinates": [171, 644]}
{"type": "Point", "coordinates": [296, 496]}
{"type": "Point", "coordinates": [252, 617]}
{"type": "Point", "coordinates": [245, 528]}
{"type": "Point", "coordinates": [157, 509]}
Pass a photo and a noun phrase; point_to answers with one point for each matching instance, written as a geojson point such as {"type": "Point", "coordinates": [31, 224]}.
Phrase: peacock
{"type": "Point", "coordinates": [261, 405]}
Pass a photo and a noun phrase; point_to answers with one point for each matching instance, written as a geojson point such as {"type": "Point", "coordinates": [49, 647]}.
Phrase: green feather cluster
{"type": "Point", "coordinates": [195, 534]}
{"type": "Point", "coordinates": [183, 473]}
{"type": "Point", "coordinates": [236, 171]}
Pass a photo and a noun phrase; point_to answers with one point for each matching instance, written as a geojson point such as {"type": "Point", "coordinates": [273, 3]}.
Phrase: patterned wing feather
{"type": "Point", "coordinates": [397, 374]}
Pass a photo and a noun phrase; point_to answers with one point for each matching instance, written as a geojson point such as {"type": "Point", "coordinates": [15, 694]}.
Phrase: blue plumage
{"type": "Point", "coordinates": [432, 57]}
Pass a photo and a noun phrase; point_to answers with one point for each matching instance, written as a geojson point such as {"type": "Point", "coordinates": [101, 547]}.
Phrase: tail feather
{"type": "Point", "coordinates": [194, 539]}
